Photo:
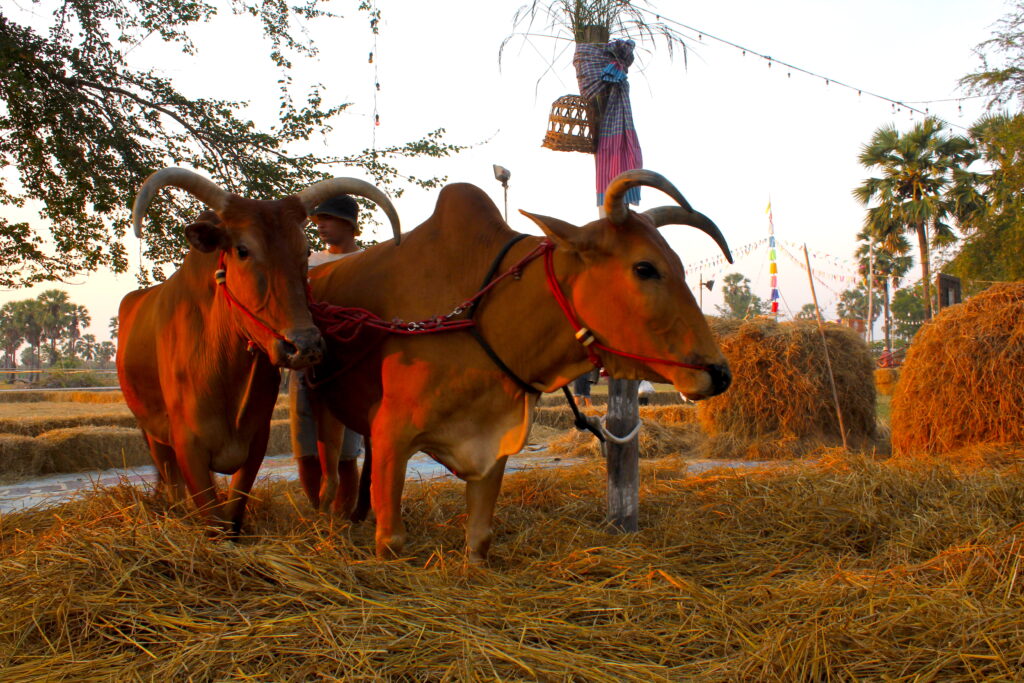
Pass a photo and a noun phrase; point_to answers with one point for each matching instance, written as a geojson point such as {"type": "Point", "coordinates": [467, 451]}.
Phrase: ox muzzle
{"type": "Point", "coordinates": [299, 349]}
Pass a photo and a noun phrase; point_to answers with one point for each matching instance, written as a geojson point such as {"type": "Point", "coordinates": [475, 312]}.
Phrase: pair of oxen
{"type": "Point", "coordinates": [199, 354]}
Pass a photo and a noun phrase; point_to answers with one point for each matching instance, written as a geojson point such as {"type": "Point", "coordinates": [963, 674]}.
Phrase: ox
{"type": "Point", "coordinates": [199, 354]}
{"type": "Point", "coordinates": [623, 292]}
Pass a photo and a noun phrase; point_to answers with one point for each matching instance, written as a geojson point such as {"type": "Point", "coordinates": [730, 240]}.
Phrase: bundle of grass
{"type": "Point", "coordinates": [962, 383]}
{"type": "Point", "coordinates": [89, 448]}
{"type": "Point", "coordinates": [780, 403]}
{"type": "Point", "coordinates": [885, 380]}
{"type": "Point", "coordinates": [844, 570]}
{"type": "Point", "coordinates": [657, 440]}
{"type": "Point", "coordinates": [17, 457]}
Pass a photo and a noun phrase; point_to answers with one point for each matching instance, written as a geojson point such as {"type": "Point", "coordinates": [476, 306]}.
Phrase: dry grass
{"type": "Point", "coordinates": [885, 380]}
{"type": "Point", "coordinates": [962, 383]}
{"type": "Point", "coordinates": [109, 396]}
{"type": "Point", "coordinates": [847, 569]}
{"type": "Point", "coordinates": [780, 400]}
{"type": "Point", "coordinates": [76, 449]}
{"type": "Point", "coordinates": [33, 419]}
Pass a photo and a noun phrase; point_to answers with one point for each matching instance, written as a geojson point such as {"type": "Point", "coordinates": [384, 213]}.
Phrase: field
{"type": "Point", "coordinates": [840, 566]}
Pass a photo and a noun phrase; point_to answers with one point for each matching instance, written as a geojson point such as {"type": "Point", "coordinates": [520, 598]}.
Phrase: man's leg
{"type": "Point", "coordinates": [303, 428]}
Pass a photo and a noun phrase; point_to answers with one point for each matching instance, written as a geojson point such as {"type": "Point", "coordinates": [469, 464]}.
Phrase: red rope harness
{"type": "Point", "coordinates": [586, 337]}
{"type": "Point", "coordinates": [221, 278]}
{"type": "Point", "coordinates": [343, 324]}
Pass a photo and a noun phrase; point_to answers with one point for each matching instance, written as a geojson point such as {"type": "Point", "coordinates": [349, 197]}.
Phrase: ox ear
{"type": "Point", "coordinates": [563, 234]}
{"type": "Point", "coordinates": [206, 236]}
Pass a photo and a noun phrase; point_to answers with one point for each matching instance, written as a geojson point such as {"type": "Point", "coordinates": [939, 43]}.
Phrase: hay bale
{"type": "Point", "coordinates": [17, 455]}
{"type": "Point", "coordinates": [781, 399]}
{"type": "Point", "coordinates": [656, 440]}
{"type": "Point", "coordinates": [107, 396]}
{"type": "Point", "coordinates": [280, 442]}
{"type": "Point", "coordinates": [885, 380]}
{"type": "Point", "coordinates": [89, 448]}
{"type": "Point", "coordinates": [36, 426]}
{"type": "Point", "coordinates": [961, 384]}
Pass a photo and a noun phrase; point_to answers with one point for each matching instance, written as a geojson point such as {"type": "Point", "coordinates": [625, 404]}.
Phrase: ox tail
{"type": "Point", "coordinates": [363, 499]}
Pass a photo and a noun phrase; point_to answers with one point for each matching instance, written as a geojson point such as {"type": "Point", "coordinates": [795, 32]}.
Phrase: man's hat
{"type": "Point", "coordinates": [340, 206]}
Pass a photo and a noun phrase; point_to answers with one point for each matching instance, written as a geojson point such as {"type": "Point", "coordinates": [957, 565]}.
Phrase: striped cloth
{"type": "Point", "coordinates": [601, 72]}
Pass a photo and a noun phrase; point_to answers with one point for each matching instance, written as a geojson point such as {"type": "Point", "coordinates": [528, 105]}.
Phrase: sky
{"type": "Point", "coordinates": [730, 131]}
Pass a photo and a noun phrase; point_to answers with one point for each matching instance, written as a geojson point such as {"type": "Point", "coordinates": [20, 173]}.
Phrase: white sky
{"type": "Point", "coordinates": [725, 128]}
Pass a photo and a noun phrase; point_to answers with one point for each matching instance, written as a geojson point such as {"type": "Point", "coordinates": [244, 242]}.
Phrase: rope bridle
{"type": "Point", "coordinates": [585, 337]}
{"type": "Point", "coordinates": [220, 277]}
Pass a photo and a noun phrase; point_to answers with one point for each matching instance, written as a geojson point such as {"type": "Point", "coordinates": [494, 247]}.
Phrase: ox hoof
{"type": "Point", "coordinates": [391, 547]}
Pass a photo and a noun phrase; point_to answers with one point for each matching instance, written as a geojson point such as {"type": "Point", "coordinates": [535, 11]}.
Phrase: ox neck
{"type": "Point", "coordinates": [524, 325]}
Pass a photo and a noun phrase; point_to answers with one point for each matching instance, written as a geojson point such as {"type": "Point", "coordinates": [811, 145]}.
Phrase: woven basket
{"type": "Point", "coordinates": [569, 125]}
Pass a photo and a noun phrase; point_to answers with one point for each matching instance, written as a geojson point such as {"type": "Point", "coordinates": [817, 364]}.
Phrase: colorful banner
{"type": "Point", "coordinates": [772, 264]}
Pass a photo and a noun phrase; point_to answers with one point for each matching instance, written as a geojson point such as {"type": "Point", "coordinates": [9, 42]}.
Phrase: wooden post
{"type": "Point", "coordinates": [824, 343]}
{"type": "Point", "coordinates": [623, 460]}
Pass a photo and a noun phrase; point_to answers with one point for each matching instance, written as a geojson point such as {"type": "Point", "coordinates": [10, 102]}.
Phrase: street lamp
{"type": "Point", "coordinates": [502, 174]}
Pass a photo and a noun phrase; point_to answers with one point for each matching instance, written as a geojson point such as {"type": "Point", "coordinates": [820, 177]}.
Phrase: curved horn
{"type": "Point", "coordinates": [201, 188]}
{"type": "Point", "coordinates": [615, 195]}
{"type": "Point", "coordinates": [318, 192]}
{"type": "Point", "coordinates": [677, 215]}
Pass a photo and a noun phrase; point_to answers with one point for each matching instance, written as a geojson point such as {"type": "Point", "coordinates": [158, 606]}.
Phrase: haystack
{"type": "Point", "coordinates": [962, 383]}
{"type": "Point", "coordinates": [780, 402]}
{"type": "Point", "coordinates": [885, 380]}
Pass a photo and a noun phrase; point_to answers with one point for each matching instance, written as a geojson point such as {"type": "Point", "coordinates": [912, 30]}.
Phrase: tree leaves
{"type": "Point", "coordinates": [83, 129]}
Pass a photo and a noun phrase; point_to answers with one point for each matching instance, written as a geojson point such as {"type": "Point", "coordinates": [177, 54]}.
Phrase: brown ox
{"type": "Point", "coordinates": [198, 360]}
{"type": "Point", "coordinates": [442, 394]}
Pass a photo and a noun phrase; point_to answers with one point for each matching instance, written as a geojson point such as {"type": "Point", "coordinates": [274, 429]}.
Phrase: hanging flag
{"type": "Point", "coordinates": [772, 261]}
{"type": "Point", "coordinates": [601, 73]}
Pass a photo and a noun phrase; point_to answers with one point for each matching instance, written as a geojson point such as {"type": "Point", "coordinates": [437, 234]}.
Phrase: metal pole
{"type": "Point", "coordinates": [505, 185]}
{"type": "Point", "coordinates": [824, 343]}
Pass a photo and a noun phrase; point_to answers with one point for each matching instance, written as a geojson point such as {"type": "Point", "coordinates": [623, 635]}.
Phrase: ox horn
{"type": "Point", "coordinates": [677, 215]}
{"type": "Point", "coordinates": [615, 195]}
{"type": "Point", "coordinates": [325, 189]}
{"type": "Point", "coordinates": [201, 188]}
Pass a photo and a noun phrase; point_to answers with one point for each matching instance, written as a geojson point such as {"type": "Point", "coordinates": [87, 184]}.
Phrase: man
{"type": "Point", "coordinates": [337, 222]}
{"type": "Point", "coordinates": [581, 387]}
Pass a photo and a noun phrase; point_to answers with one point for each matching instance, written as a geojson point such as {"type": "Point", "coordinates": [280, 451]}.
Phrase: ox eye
{"type": "Point", "coordinates": [243, 251]}
{"type": "Point", "coordinates": [645, 270]}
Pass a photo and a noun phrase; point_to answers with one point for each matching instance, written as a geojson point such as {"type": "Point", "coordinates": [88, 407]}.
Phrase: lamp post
{"type": "Point", "coordinates": [502, 175]}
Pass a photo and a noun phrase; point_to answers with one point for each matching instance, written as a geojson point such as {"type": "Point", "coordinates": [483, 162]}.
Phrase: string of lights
{"type": "Point", "coordinates": [897, 105]}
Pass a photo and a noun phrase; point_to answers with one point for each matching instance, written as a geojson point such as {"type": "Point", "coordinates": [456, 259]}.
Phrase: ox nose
{"type": "Point", "coordinates": [721, 378]}
{"type": "Point", "coordinates": [301, 348]}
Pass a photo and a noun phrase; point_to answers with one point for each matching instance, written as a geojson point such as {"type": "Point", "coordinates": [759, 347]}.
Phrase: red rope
{"type": "Point", "coordinates": [343, 323]}
{"type": "Point", "coordinates": [586, 337]}
{"type": "Point", "coordinates": [221, 278]}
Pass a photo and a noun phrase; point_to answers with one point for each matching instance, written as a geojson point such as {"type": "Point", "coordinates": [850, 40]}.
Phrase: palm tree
{"type": "Point", "coordinates": [28, 316]}
{"type": "Point", "coordinates": [916, 170]}
{"type": "Point", "coordinates": [104, 352]}
{"type": "Point", "coordinates": [57, 309]}
{"type": "Point", "coordinates": [11, 335]}
{"type": "Point", "coordinates": [78, 317]}
{"type": "Point", "coordinates": [87, 346]}
{"type": "Point", "coordinates": [889, 266]}
{"type": "Point", "coordinates": [112, 326]}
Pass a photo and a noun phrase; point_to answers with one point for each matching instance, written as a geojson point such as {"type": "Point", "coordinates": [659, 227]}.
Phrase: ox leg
{"type": "Point", "coordinates": [170, 483]}
{"type": "Point", "coordinates": [481, 496]}
{"type": "Point", "coordinates": [243, 479]}
{"type": "Point", "coordinates": [194, 463]}
{"type": "Point", "coordinates": [348, 475]}
{"type": "Point", "coordinates": [330, 434]}
{"type": "Point", "coordinates": [386, 497]}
